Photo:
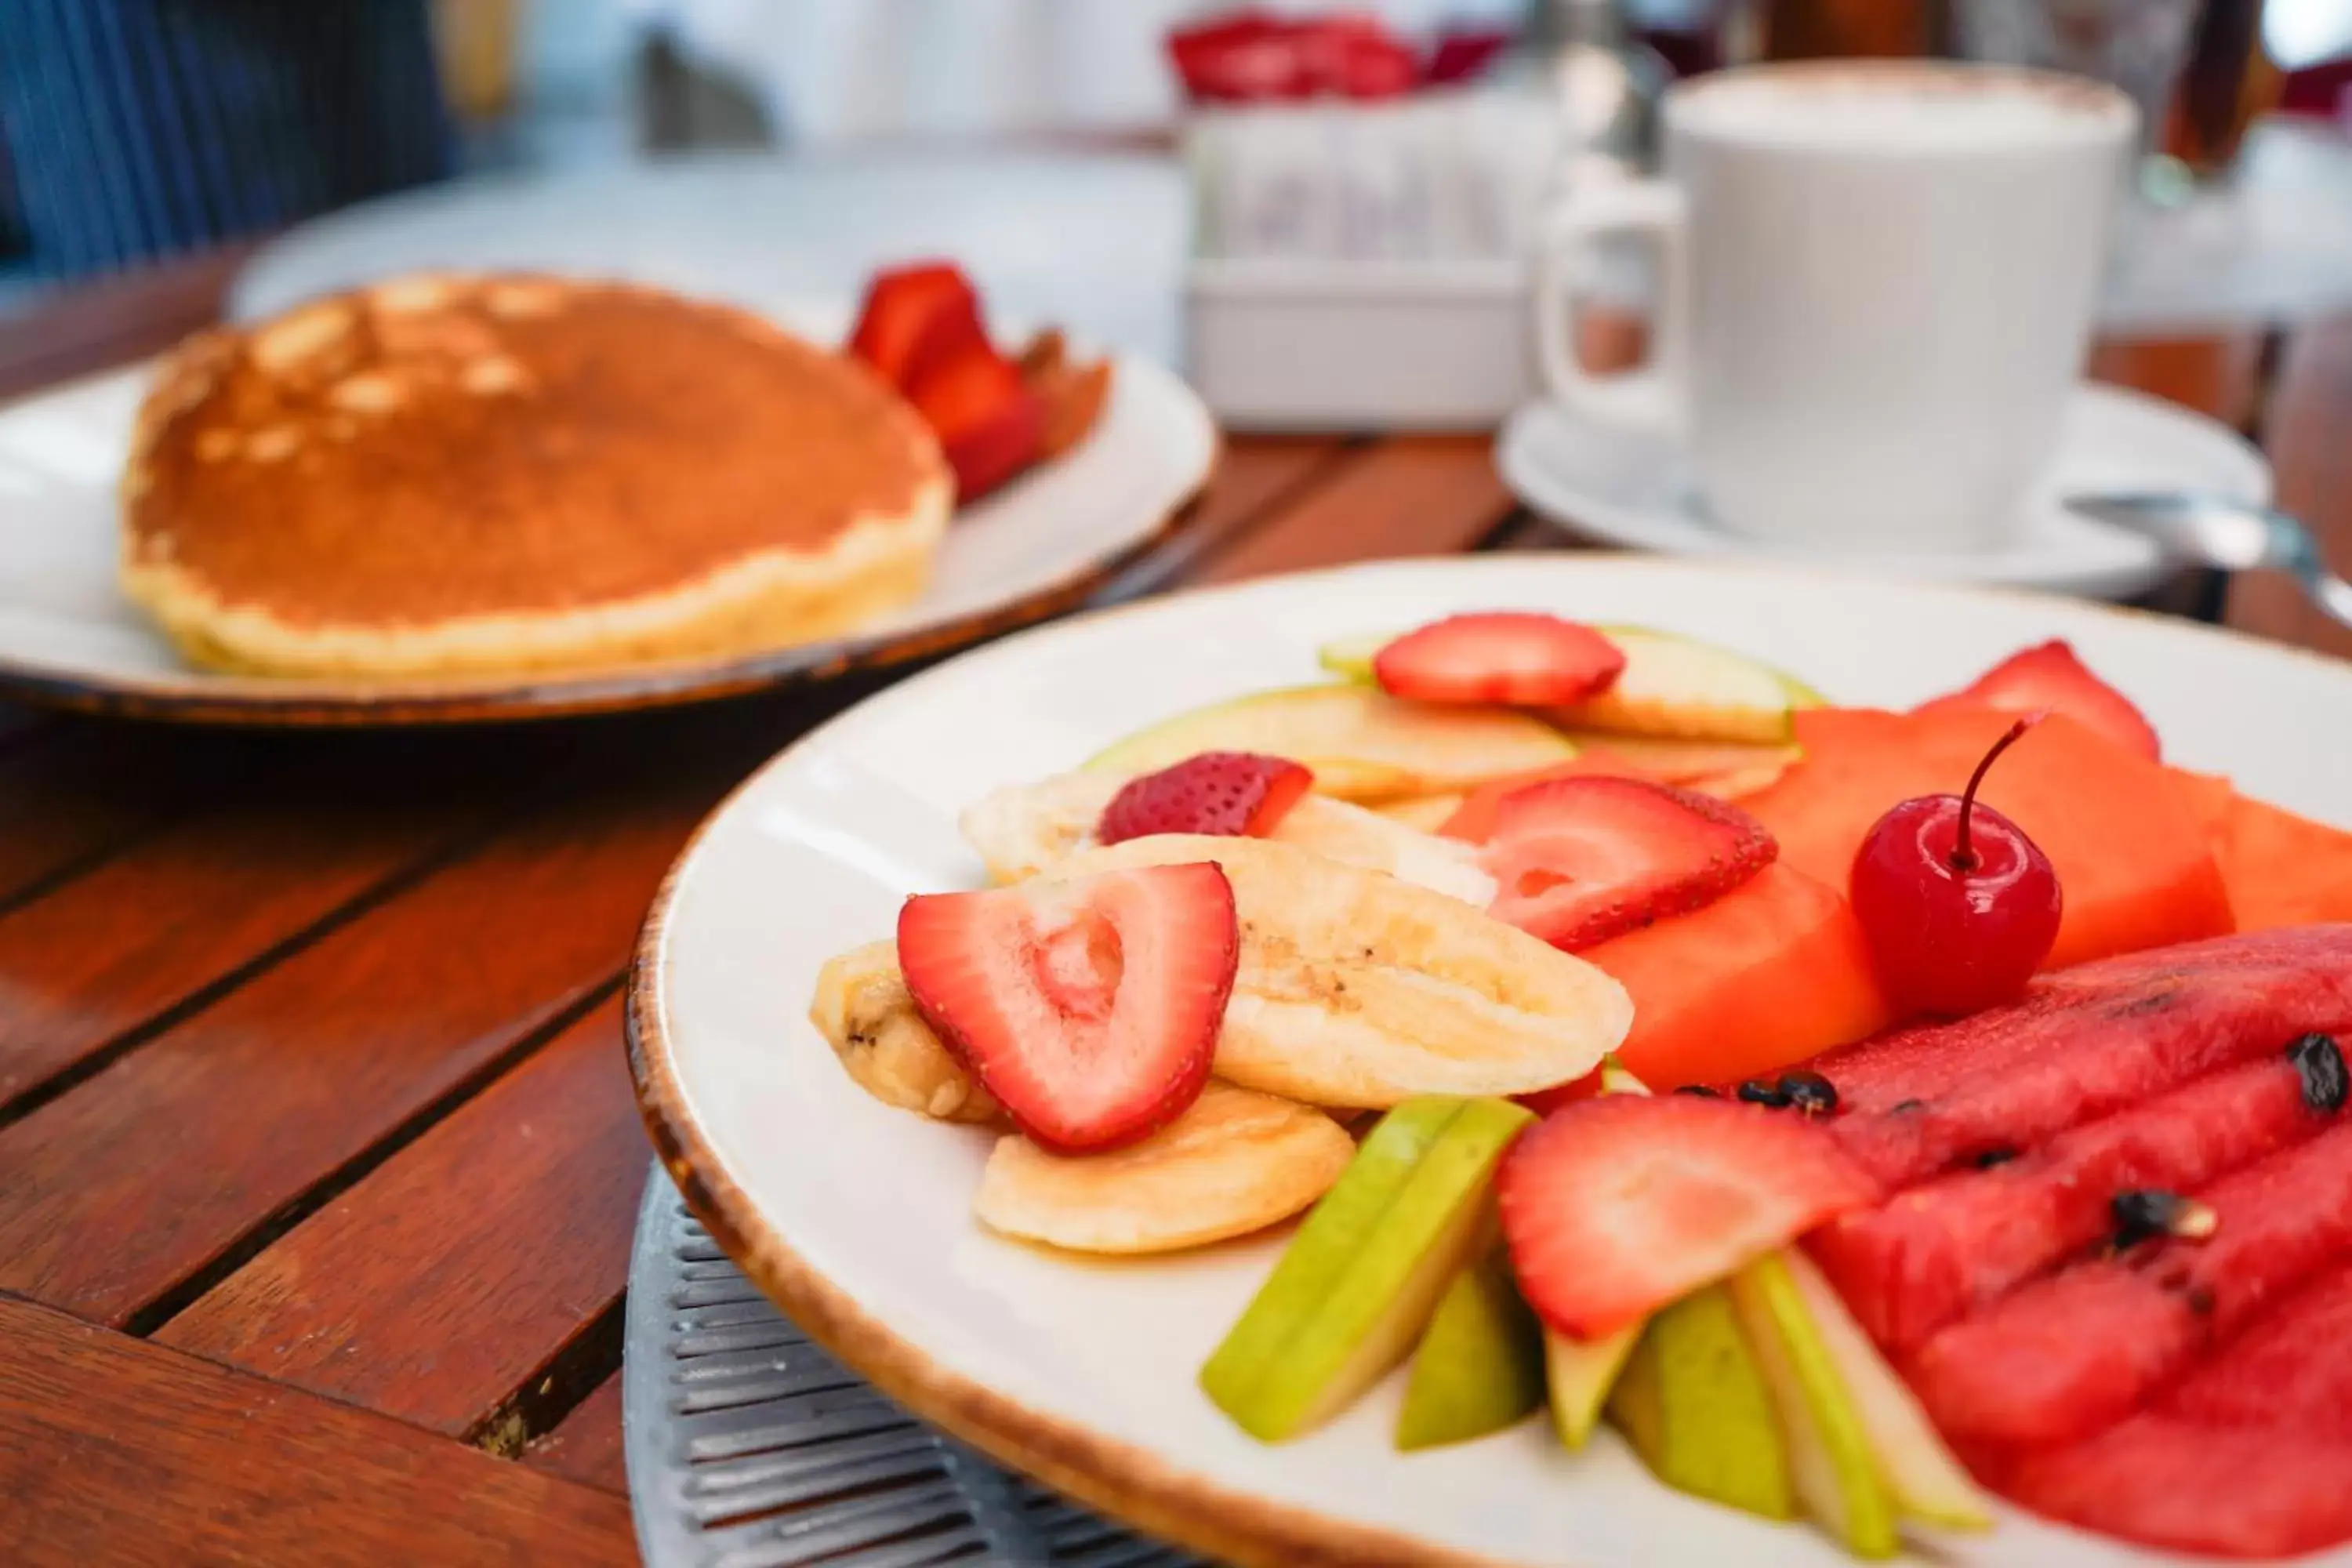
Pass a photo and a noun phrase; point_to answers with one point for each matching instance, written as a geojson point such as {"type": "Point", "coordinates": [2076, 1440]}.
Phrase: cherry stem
{"type": "Point", "coordinates": [1964, 855]}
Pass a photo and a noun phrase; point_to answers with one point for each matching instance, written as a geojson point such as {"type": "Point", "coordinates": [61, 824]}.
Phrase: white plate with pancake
{"type": "Point", "coordinates": [856, 1218]}
{"type": "Point", "coordinates": [69, 638]}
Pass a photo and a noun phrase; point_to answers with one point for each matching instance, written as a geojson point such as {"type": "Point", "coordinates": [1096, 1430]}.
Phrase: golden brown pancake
{"type": "Point", "coordinates": [465, 475]}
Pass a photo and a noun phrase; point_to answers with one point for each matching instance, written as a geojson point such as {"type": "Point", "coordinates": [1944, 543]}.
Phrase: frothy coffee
{"type": "Point", "coordinates": [1897, 109]}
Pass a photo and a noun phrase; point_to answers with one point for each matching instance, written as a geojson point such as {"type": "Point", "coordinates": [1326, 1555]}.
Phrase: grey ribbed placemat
{"type": "Point", "coordinates": [749, 1447]}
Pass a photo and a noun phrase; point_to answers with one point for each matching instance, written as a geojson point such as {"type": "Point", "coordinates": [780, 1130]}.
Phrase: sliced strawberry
{"type": "Point", "coordinates": [991, 426]}
{"type": "Point", "coordinates": [899, 305]}
{"type": "Point", "coordinates": [1506, 656]}
{"type": "Point", "coordinates": [1090, 1008]}
{"type": "Point", "coordinates": [1234, 794]}
{"type": "Point", "coordinates": [1474, 820]}
{"type": "Point", "coordinates": [997, 447]}
{"type": "Point", "coordinates": [1579, 860]}
{"type": "Point", "coordinates": [2050, 676]}
{"type": "Point", "coordinates": [1614, 1206]}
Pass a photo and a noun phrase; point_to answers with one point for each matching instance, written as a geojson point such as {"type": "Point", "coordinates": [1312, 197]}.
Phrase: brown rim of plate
{"type": "Point", "coordinates": [265, 703]}
{"type": "Point", "coordinates": [1115, 1477]}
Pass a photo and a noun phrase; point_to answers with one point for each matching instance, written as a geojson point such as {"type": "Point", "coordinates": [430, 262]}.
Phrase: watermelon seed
{"type": "Point", "coordinates": [1991, 1157]}
{"type": "Point", "coordinates": [1903, 1106]}
{"type": "Point", "coordinates": [1771, 1096]}
{"type": "Point", "coordinates": [1702, 1090]}
{"type": "Point", "coordinates": [2146, 1213]}
{"type": "Point", "coordinates": [2321, 1067]}
{"type": "Point", "coordinates": [1809, 1092]}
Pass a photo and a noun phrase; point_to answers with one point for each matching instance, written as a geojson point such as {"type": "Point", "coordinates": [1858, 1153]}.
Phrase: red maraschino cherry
{"type": "Point", "coordinates": [1959, 907]}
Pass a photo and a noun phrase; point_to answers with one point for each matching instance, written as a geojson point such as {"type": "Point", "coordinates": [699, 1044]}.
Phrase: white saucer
{"type": "Point", "coordinates": [1639, 491]}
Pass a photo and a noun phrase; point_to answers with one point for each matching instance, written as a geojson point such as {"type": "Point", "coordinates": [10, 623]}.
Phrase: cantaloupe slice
{"type": "Point", "coordinates": [2131, 854]}
{"type": "Point", "coordinates": [2283, 869]}
{"type": "Point", "coordinates": [1769, 974]}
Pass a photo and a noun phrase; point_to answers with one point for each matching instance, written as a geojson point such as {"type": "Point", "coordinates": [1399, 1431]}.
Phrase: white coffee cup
{"type": "Point", "coordinates": [1878, 283]}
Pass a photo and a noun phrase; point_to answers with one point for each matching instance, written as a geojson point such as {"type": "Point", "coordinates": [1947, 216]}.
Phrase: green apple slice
{"type": "Point", "coordinates": [1579, 1375]}
{"type": "Point", "coordinates": [1359, 1280]}
{"type": "Point", "coordinates": [1694, 1404]}
{"type": "Point", "coordinates": [1831, 1458]}
{"type": "Point", "coordinates": [1361, 743]}
{"type": "Point", "coordinates": [1929, 1484]}
{"type": "Point", "coordinates": [1480, 1367]}
{"type": "Point", "coordinates": [1673, 687]}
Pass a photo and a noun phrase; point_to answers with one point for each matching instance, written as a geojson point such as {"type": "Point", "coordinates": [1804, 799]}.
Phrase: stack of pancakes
{"type": "Point", "coordinates": [457, 476]}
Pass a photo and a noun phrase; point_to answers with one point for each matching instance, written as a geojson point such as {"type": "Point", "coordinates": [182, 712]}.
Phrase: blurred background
{"type": "Point", "coordinates": [131, 130]}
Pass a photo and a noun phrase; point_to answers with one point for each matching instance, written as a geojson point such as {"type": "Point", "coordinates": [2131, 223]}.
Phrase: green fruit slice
{"type": "Point", "coordinates": [1830, 1456]}
{"type": "Point", "coordinates": [1673, 687]}
{"type": "Point", "coordinates": [1480, 1366]}
{"type": "Point", "coordinates": [1578, 1375]}
{"type": "Point", "coordinates": [1694, 1407]}
{"type": "Point", "coordinates": [1361, 743]}
{"type": "Point", "coordinates": [1361, 1278]}
{"type": "Point", "coordinates": [1678, 686]}
{"type": "Point", "coordinates": [1927, 1483]}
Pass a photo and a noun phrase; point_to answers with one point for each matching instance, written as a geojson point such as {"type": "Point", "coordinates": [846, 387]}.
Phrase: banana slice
{"type": "Point", "coordinates": [863, 1009]}
{"type": "Point", "coordinates": [1361, 990]}
{"type": "Point", "coordinates": [1426, 812]}
{"type": "Point", "coordinates": [1021, 830]}
{"type": "Point", "coordinates": [1234, 1163]}
{"type": "Point", "coordinates": [1356, 836]}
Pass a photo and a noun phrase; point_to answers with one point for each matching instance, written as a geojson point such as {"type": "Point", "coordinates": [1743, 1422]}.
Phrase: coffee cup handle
{"type": "Point", "coordinates": [1642, 399]}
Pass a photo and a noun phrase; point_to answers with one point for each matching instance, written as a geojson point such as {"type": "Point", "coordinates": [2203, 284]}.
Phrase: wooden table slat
{"type": "Point", "coordinates": [128, 1454]}
{"type": "Point", "coordinates": [76, 790]}
{"type": "Point", "coordinates": [2310, 446]}
{"type": "Point", "coordinates": [154, 926]}
{"type": "Point", "coordinates": [441, 1284]}
{"type": "Point", "coordinates": [1255, 481]}
{"type": "Point", "coordinates": [208, 1133]}
{"type": "Point", "coordinates": [587, 1446]}
{"type": "Point", "coordinates": [1414, 495]}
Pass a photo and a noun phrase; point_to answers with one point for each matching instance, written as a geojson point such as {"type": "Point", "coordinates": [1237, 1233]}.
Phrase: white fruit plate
{"type": "Point", "coordinates": [856, 1218]}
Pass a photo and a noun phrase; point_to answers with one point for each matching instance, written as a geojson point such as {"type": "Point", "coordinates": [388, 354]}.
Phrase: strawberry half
{"type": "Point", "coordinates": [1516, 656]}
{"type": "Point", "coordinates": [1613, 1207]}
{"type": "Point", "coordinates": [1579, 860]}
{"type": "Point", "coordinates": [899, 306]}
{"type": "Point", "coordinates": [1090, 1008]}
{"type": "Point", "coordinates": [1236, 794]}
{"type": "Point", "coordinates": [991, 426]}
{"type": "Point", "coordinates": [2049, 677]}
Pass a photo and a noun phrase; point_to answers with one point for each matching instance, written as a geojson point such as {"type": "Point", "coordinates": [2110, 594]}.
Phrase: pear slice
{"type": "Point", "coordinates": [1831, 1460]}
{"type": "Point", "coordinates": [1361, 1278]}
{"type": "Point", "coordinates": [1360, 743]}
{"type": "Point", "coordinates": [1672, 687]}
{"type": "Point", "coordinates": [1579, 1375]}
{"type": "Point", "coordinates": [1694, 1407]}
{"type": "Point", "coordinates": [1929, 1484]}
{"type": "Point", "coordinates": [1480, 1366]}
{"type": "Point", "coordinates": [1678, 686]}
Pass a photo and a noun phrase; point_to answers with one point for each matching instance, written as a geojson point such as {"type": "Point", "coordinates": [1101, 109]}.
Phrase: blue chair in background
{"type": "Point", "coordinates": [134, 129]}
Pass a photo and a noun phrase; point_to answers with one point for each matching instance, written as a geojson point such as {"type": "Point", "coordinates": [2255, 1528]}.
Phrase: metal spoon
{"type": "Point", "coordinates": [2229, 535]}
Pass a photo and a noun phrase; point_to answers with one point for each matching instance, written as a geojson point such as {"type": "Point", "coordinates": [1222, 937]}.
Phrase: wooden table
{"type": "Point", "coordinates": [318, 1156]}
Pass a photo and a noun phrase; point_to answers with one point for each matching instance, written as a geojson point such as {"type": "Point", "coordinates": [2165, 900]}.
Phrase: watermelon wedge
{"type": "Point", "coordinates": [2126, 842]}
{"type": "Point", "coordinates": [1767, 974]}
{"type": "Point", "coordinates": [2073, 1353]}
{"type": "Point", "coordinates": [2084, 1044]}
{"type": "Point", "coordinates": [2162, 1482]}
{"type": "Point", "coordinates": [2268, 1375]}
{"type": "Point", "coordinates": [1911, 1266]}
